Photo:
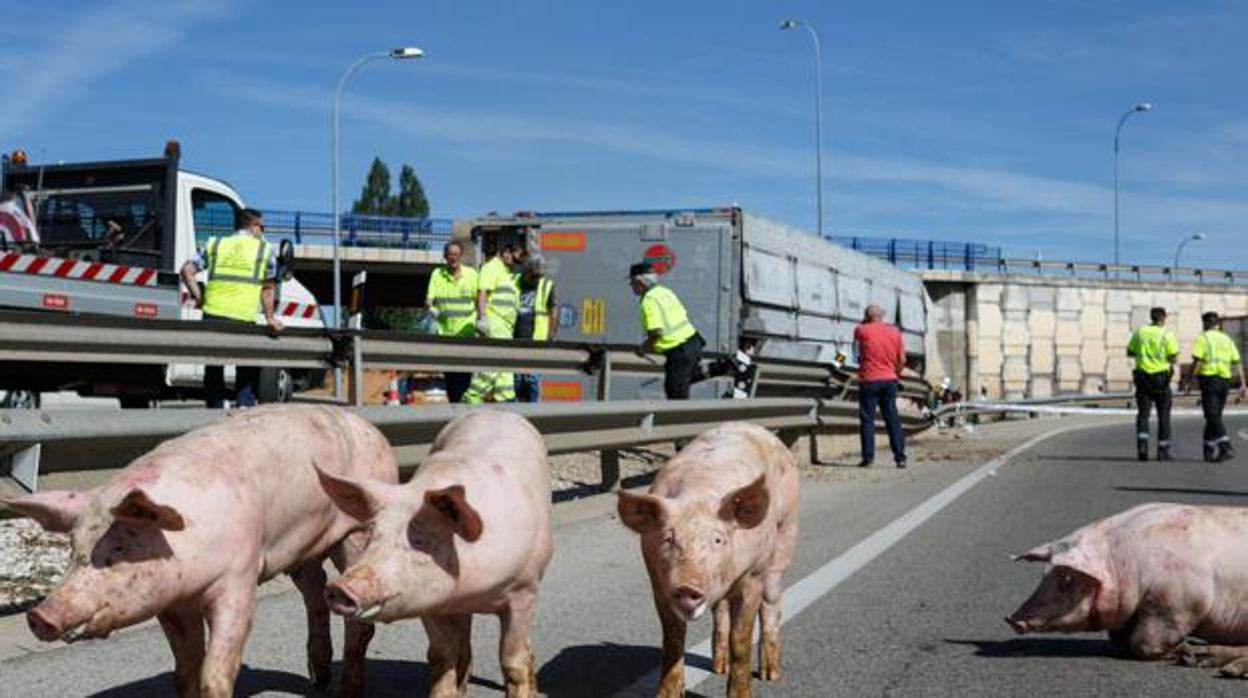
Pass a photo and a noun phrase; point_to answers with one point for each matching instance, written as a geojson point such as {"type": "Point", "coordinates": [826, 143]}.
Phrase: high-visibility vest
{"type": "Point", "coordinates": [236, 266]}
{"type": "Point", "coordinates": [661, 310]}
{"type": "Point", "coordinates": [455, 300]}
{"type": "Point", "coordinates": [1152, 347]}
{"type": "Point", "coordinates": [1216, 352]}
{"type": "Point", "coordinates": [542, 309]}
{"type": "Point", "coordinates": [499, 284]}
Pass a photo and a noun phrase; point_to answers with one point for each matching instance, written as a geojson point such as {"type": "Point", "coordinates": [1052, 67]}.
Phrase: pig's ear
{"type": "Point", "coordinates": [747, 507]}
{"type": "Point", "coordinates": [1086, 560]}
{"type": "Point", "coordinates": [54, 510]}
{"type": "Point", "coordinates": [451, 503]}
{"type": "Point", "coordinates": [640, 512]}
{"type": "Point", "coordinates": [138, 507]}
{"type": "Point", "coordinates": [356, 498]}
{"type": "Point", "coordinates": [1040, 553]}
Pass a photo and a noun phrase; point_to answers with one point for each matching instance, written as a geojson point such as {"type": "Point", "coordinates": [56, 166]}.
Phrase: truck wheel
{"type": "Point", "coordinates": [20, 399]}
{"type": "Point", "coordinates": [276, 385]}
{"type": "Point", "coordinates": [134, 402]}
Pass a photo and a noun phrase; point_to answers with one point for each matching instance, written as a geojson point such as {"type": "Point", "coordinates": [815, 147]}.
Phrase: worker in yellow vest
{"type": "Point", "coordinates": [496, 319]}
{"type": "Point", "coordinates": [668, 332]}
{"type": "Point", "coordinates": [1216, 355]}
{"type": "Point", "coordinates": [534, 319]}
{"type": "Point", "coordinates": [242, 277]}
{"type": "Point", "coordinates": [1155, 350]}
{"type": "Point", "coordinates": [451, 302]}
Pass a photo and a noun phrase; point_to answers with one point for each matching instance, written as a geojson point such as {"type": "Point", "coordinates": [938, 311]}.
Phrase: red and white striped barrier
{"type": "Point", "coordinates": [75, 269]}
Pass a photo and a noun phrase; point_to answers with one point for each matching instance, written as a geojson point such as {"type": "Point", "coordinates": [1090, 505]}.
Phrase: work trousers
{"type": "Point", "coordinates": [1152, 389]}
{"type": "Point", "coordinates": [528, 387]}
{"type": "Point", "coordinates": [883, 394]}
{"type": "Point", "coordinates": [246, 378]}
{"type": "Point", "coordinates": [683, 368]}
{"type": "Point", "coordinates": [456, 385]}
{"type": "Point", "coordinates": [1213, 393]}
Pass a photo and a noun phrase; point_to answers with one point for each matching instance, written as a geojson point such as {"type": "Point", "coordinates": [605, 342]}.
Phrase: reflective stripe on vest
{"type": "Point", "coordinates": [1219, 352]}
{"type": "Point", "coordinates": [502, 305]}
{"type": "Point", "coordinates": [674, 320]}
{"type": "Point", "coordinates": [455, 300]}
{"type": "Point", "coordinates": [541, 309]}
{"type": "Point", "coordinates": [235, 276]}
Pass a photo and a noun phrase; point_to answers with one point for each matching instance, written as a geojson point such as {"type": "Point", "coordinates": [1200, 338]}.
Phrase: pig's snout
{"type": "Point", "coordinates": [341, 600]}
{"type": "Point", "coordinates": [689, 601]}
{"type": "Point", "coordinates": [49, 626]}
{"type": "Point", "coordinates": [1021, 627]}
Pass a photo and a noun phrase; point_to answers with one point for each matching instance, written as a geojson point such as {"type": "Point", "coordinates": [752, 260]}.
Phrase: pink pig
{"type": "Point", "coordinates": [718, 529]}
{"type": "Point", "coordinates": [185, 533]}
{"type": "Point", "coordinates": [1151, 576]}
{"type": "Point", "coordinates": [470, 533]}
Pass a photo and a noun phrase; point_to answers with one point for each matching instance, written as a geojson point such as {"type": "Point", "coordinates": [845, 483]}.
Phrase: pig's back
{"type": "Point", "coordinates": [727, 458]}
{"type": "Point", "coordinates": [251, 477]}
{"type": "Point", "coordinates": [493, 445]}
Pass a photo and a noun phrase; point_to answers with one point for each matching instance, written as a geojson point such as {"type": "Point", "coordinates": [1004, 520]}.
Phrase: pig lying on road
{"type": "Point", "coordinates": [1151, 576]}
{"type": "Point", "coordinates": [718, 528]}
{"type": "Point", "coordinates": [470, 533]}
{"type": "Point", "coordinates": [185, 533]}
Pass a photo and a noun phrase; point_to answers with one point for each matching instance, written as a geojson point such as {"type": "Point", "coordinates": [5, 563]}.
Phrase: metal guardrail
{"type": "Point", "coordinates": [75, 441]}
{"type": "Point", "coordinates": [359, 230]}
{"type": "Point", "coordinates": [52, 337]}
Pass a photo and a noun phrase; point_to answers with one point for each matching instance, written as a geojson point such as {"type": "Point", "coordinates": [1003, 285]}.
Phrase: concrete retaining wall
{"type": "Point", "coordinates": [1014, 336]}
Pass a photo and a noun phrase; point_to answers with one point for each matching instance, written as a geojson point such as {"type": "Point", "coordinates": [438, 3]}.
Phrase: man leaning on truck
{"type": "Point", "coordinates": [242, 275]}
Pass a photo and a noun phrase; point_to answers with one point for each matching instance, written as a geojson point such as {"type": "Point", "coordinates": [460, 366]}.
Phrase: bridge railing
{"type": "Point", "coordinates": [937, 254]}
{"type": "Point", "coordinates": [358, 230]}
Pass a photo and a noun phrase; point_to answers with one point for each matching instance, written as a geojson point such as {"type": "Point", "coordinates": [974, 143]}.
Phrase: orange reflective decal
{"type": "Point", "coordinates": [563, 241]}
{"type": "Point", "coordinates": [561, 391]}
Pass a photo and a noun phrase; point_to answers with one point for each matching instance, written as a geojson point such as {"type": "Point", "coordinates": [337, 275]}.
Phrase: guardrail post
{"type": "Point", "coordinates": [600, 360]}
{"type": "Point", "coordinates": [610, 470]}
{"type": "Point", "coordinates": [298, 235]}
{"type": "Point", "coordinates": [357, 338]}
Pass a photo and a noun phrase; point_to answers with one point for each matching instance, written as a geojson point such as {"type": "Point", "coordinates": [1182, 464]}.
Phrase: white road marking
{"type": "Point", "coordinates": [800, 596]}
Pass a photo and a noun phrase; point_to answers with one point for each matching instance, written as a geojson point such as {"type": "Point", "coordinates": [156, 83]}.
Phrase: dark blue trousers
{"type": "Point", "coordinates": [883, 394]}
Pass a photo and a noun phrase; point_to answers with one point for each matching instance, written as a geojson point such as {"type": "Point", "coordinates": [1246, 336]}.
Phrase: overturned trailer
{"type": "Point", "coordinates": [744, 279]}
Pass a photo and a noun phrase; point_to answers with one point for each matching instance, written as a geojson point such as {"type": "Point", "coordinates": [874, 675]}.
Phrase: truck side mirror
{"type": "Point", "coordinates": [285, 260]}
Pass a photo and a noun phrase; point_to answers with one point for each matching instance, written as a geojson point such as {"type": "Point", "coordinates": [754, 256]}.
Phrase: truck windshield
{"type": "Point", "coordinates": [115, 224]}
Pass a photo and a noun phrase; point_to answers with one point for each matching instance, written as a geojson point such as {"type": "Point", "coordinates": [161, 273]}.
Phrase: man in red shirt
{"type": "Point", "coordinates": [881, 356]}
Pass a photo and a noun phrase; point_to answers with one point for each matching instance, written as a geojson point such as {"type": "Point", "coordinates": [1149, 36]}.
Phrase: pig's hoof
{"type": "Point", "coordinates": [1237, 669]}
{"type": "Point", "coordinates": [1189, 654]}
{"type": "Point", "coordinates": [769, 672]}
{"type": "Point", "coordinates": [319, 674]}
{"type": "Point", "coordinates": [719, 663]}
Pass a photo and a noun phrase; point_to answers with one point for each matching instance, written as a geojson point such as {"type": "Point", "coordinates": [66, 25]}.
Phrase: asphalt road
{"type": "Point", "coordinates": [921, 618]}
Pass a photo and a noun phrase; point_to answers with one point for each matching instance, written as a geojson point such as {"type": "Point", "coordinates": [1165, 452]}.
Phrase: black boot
{"type": "Point", "coordinates": [1225, 452]}
{"type": "Point", "coordinates": [1211, 454]}
{"type": "Point", "coordinates": [1141, 449]}
{"type": "Point", "coordinates": [1163, 453]}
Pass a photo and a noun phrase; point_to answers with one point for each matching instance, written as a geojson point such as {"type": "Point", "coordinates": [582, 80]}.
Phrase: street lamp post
{"type": "Point", "coordinates": [788, 25]}
{"type": "Point", "coordinates": [1142, 106]}
{"type": "Point", "coordinates": [1179, 251]}
{"type": "Point", "coordinates": [397, 54]}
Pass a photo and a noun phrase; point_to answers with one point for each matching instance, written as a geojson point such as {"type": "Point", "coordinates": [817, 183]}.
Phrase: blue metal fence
{"type": "Point", "coordinates": [926, 254]}
{"type": "Point", "coordinates": [357, 230]}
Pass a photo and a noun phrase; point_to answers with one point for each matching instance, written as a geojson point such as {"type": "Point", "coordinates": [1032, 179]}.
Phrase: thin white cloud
{"type": "Point", "coordinates": [989, 194]}
{"type": "Point", "coordinates": [61, 63]}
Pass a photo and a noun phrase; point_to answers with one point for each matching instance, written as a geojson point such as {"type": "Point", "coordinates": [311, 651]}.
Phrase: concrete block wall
{"type": "Point", "coordinates": [1036, 336]}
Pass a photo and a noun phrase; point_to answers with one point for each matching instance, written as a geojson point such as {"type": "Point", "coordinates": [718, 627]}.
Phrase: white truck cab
{"type": "Point", "coordinates": [112, 237]}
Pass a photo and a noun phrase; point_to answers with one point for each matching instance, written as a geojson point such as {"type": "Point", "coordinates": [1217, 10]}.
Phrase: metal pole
{"type": "Point", "coordinates": [1179, 251]}
{"type": "Point", "coordinates": [336, 279]}
{"type": "Point", "coordinates": [818, 129]}
{"type": "Point", "coordinates": [785, 26]}
{"type": "Point", "coordinates": [1142, 106]}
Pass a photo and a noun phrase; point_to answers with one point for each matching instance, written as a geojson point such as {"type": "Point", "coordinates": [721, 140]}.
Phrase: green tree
{"type": "Point", "coordinates": [375, 198]}
{"type": "Point", "coordinates": [411, 201]}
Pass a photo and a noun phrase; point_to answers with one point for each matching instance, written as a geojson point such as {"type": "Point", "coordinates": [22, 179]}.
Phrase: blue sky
{"type": "Point", "coordinates": [970, 121]}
